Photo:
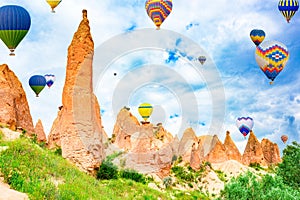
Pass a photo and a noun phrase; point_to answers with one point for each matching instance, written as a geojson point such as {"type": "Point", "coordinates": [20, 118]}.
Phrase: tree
{"type": "Point", "coordinates": [289, 169]}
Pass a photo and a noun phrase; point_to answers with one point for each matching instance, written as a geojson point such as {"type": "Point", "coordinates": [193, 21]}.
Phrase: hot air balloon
{"type": "Point", "coordinates": [284, 138]}
{"type": "Point", "coordinates": [288, 8]}
{"type": "Point", "coordinates": [271, 57]}
{"type": "Point", "coordinates": [257, 36]}
{"type": "Point", "coordinates": [158, 10]}
{"type": "Point", "coordinates": [53, 4]}
{"type": "Point", "coordinates": [14, 24]}
{"type": "Point", "coordinates": [145, 110]}
{"type": "Point", "coordinates": [245, 125]}
{"type": "Point", "coordinates": [37, 83]}
{"type": "Point", "coordinates": [50, 79]}
{"type": "Point", "coordinates": [202, 59]}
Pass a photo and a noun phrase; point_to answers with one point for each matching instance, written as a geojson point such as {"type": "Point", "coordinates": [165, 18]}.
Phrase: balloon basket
{"type": "Point", "coordinates": [12, 54]}
{"type": "Point", "coordinates": [271, 83]}
{"type": "Point", "coordinates": [144, 123]}
{"type": "Point", "coordinates": [53, 11]}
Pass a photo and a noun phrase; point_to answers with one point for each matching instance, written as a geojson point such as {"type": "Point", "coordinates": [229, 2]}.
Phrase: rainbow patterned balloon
{"type": "Point", "coordinates": [158, 10]}
{"type": "Point", "coordinates": [257, 36]}
{"type": "Point", "coordinates": [271, 57]}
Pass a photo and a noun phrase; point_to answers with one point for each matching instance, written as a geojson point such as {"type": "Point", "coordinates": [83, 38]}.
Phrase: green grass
{"type": "Point", "coordinates": [43, 174]}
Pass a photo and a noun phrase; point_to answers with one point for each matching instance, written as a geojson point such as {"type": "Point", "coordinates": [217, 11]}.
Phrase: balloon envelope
{"type": "Point", "coordinates": [145, 110]}
{"type": "Point", "coordinates": [158, 10]}
{"type": "Point", "coordinates": [288, 8]}
{"type": "Point", "coordinates": [245, 125]}
{"type": "Point", "coordinates": [15, 22]}
{"type": "Point", "coordinates": [53, 4]}
{"type": "Point", "coordinates": [284, 138]}
{"type": "Point", "coordinates": [257, 36]}
{"type": "Point", "coordinates": [202, 59]}
{"type": "Point", "coordinates": [271, 57]}
{"type": "Point", "coordinates": [37, 83]}
{"type": "Point", "coordinates": [50, 79]}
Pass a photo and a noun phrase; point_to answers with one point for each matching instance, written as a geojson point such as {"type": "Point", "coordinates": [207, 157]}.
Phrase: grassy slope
{"type": "Point", "coordinates": [36, 171]}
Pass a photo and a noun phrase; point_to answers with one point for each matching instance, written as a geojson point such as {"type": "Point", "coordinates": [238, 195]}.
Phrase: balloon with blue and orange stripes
{"type": "Point", "coordinates": [257, 36]}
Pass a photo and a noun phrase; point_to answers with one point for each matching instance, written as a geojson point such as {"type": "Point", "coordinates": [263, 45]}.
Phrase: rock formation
{"type": "Point", "coordinates": [186, 144]}
{"type": "Point", "coordinates": [253, 152]}
{"type": "Point", "coordinates": [197, 155]}
{"type": "Point", "coordinates": [14, 106]}
{"type": "Point", "coordinates": [218, 152]}
{"type": "Point", "coordinates": [231, 150]}
{"type": "Point", "coordinates": [39, 131]}
{"type": "Point", "coordinates": [148, 149]}
{"type": "Point", "coordinates": [78, 128]}
{"type": "Point", "coordinates": [270, 151]}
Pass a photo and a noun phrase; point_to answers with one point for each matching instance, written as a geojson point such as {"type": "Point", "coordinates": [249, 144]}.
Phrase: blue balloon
{"type": "Point", "coordinates": [37, 83]}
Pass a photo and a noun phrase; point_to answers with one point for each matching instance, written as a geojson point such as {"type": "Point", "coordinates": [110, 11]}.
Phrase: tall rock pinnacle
{"type": "Point", "coordinates": [78, 127]}
{"type": "Point", "coordinates": [231, 149]}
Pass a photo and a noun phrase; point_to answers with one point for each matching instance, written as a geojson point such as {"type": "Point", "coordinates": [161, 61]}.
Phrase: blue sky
{"type": "Point", "coordinates": [181, 96]}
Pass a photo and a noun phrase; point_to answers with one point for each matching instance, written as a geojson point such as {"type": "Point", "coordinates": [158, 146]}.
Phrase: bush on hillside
{"type": "Point", "coordinates": [289, 169]}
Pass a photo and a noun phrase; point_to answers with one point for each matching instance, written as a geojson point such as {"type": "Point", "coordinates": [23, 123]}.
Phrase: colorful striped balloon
{"type": "Point", "coordinates": [15, 22]}
{"type": "Point", "coordinates": [245, 125]}
{"type": "Point", "coordinates": [158, 10]}
{"type": "Point", "coordinates": [257, 36]}
{"type": "Point", "coordinates": [271, 57]}
{"type": "Point", "coordinates": [37, 83]}
{"type": "Point", "coordinates": [288, 8]}
{"type": "Point", "coordinates": [202, 59]}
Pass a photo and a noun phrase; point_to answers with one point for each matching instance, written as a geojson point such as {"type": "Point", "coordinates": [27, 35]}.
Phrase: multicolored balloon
{"type": "Point", "coordinates": [284, 138]}
{"type": "Point", "coordinates": [53, 4]}
{"type": "Point", "coordinates": [288, 8]}
{"type": "Point", "coordinates": [245, 125]}
{"type": "Point", "coordinates": [271, 57]}
{"type": "Point", "coordinates": [15, 22]}
{"type": "Point", "coordinates": [37, 83]}
{"type": "Point", "coordinates": [257, 36]}
{"type": "Point", "coordinates": [202, 59]}
{"type": "Point", "coordinates": [50, 79]}
{"type": "Point", "coordinates": [145, 110]}
{"type": "Point", "coordinates": [158, 10]}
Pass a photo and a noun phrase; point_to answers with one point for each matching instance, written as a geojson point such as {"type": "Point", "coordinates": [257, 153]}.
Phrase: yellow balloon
{"type": "Point", "coordinates": [53, 4]}
{"type": "Point", "coordinates": [145, 110]}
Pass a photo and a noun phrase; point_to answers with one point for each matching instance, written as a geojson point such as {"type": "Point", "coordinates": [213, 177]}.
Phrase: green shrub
{"type": "Point", "coordinates": [248, 187]}
{"type": "Point", "coordinates": [256, 166]}
{"type": "Point", "coordinates": [133, 175]}
{"type": "Point", "coordinates": [167, 181]}
{"type": "Point", "coordinates": [289, 169]}
{"type": "Point", "coordinates": [107, 171]}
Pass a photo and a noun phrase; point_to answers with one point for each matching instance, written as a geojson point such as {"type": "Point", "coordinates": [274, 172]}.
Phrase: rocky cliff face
{"type": "Point", "coordinates": [232, 151]}
{"type": "Point", "coordinates": [218, 153]}
{"type": "Point", "coordinates": [186, 144]}
{"type": "Point", "coordinates": [78, 128]}
{"type": "Point", "coordinates": [39, 131]}
{"type": "Point", "coordinates": [14, 110]}
{"type": "Point", "coordinates": [271, 152]}
{"type": "Point", "coordinates": [148, 149]}
{"type": "Point", "coordinates": [253, 152]}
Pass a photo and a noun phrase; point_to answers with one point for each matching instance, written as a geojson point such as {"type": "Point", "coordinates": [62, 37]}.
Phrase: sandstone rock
{"type": "Point", "coordinates": [186, 144]}
{"type": "Point", "coordinates": [253, 152]}
{"type": "Point", "coordinates": [78, 126]}
{"type": "Point", "coordinates": [218, 152]}
{"type": "Point", "coordinates": [39, 131]}
{"type": "Point", "coordinates": [8, 194]}
{"type": "Point", "coordinates": [9, 135]}
{"type": "Point", "coordinates": [271, 152]}
{"type": "Point", "coordinates": [126, 125]}
{"type": "Point", "coordinates": [197, 155]}
{"type": "Point", "coordinates": [14, 106]}
{"type": "Point", "coordinates": [231, 150]}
